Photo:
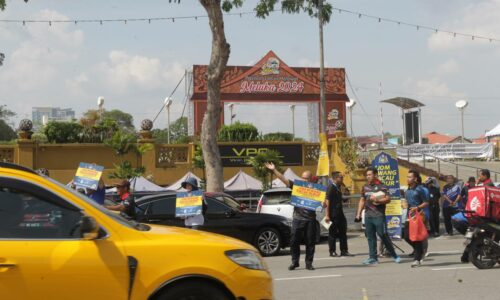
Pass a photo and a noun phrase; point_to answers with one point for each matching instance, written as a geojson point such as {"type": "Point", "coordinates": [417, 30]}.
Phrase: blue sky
{"type": "Point", "coordinates": [135, 66]}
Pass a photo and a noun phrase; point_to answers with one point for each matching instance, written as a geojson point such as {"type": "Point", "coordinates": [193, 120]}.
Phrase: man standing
{"type": "Point", "coordinates": [434, 196]}
{"type": "Point", "coordinates": [335, 215]}
{"type": "Point", "coordinates": [374, 197]}
{"type": "Point", "coordinates": [127, 204]}
{"type": "Point", "coordinates": [484, 178]}
{"type": "Point", "coordinates": [451, 201]}
{"type": "Point", "coordinates": [417, 202]}
{"type": "Point", "coordinates": [471, 183]}
{"type": "Point", "coordinates": [303, 224]}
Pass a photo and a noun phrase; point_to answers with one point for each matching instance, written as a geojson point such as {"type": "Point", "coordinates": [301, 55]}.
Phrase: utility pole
{"type": "Point", "coordinates": [322, 109]}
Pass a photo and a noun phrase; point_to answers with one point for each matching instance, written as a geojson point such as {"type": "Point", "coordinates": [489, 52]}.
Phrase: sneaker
{"type": "Point", "coordinates": [416, 264]}
{"type": "Point", "coordinates": [310, 267]}
{"type": "Point", "coordinates": [370, 261]}
{"type": "Point", "coordinates": [397, 259]}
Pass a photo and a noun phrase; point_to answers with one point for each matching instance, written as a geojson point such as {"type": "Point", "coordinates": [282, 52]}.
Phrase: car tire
{"type": "Point", "coordinates": [268, 241]}
{"type": "Point", "coordinates": [193, 290]}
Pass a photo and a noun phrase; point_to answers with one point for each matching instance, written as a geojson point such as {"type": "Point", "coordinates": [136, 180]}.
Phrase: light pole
{"type": "Point", "coordinates": [350, 106]}
{"type": "Point", "coordinates": [100, 104]}
{"type": "Point", "coordinates": [231, 107]}
{"type": "Point", "coordinates": [168, 103]}
{"type": "Point", "coordinates": [461, 105]}
{"type": "Point", "coordinates": [292, 108]}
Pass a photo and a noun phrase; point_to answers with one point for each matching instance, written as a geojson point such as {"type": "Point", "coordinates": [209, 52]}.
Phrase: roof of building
{"type": "Point", "coordinates": [438, 138]}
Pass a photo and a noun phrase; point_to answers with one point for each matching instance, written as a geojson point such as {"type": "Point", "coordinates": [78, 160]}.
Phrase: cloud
{"type": "Point", "coordinates": [124, 70]}
{"type": "Point", "coordinates": [477, 18]}
{"type": "Point", "coordinates": [447, 68]}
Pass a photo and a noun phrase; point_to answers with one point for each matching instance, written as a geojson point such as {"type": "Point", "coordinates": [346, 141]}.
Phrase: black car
{"type": "Point", "coordinates": [268, 233]}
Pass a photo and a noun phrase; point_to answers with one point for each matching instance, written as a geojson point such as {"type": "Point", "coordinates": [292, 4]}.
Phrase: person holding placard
{"type": "Point", "coordinates": [195, 220]}
{"type": "Point", "coordinates": [303, 224]}
{"type": "Point", "coordinates": [374, 197]}
{"type": "Point", "coordinates": [127, 204]}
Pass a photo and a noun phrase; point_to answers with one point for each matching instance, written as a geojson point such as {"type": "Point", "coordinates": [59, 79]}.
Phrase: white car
{"type": "Point", "coordinates": [276, 201]}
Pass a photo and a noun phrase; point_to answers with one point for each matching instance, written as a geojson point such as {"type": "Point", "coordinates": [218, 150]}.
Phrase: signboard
{"type": "Point", "coordinates": [236, 155]}
{"type": "Point", "coordinates": [308, 195]}
{"type": "Point", "coordinates": [323, 160]}
{"type": "Point", "coordinates": [388, 174]}
{"type": "Point", "coordinates": [88, 176]}
{"type": "Point", "coordinates": [189, 204]}
{"type": "Point", "coordinates": [268, 80]}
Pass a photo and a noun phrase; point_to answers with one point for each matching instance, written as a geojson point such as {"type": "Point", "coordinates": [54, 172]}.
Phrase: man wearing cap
{"type": "Point", "coordinates": [194, 222]}
{"type": "Point", "coordinates": [127, 205]}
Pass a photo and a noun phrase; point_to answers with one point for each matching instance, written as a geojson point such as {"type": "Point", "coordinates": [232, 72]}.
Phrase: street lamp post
{"type": "Point", "coordinates": [231, 107]}
{"type": "Point", "coordinates": [168, 103]}
{"type": "Point", "coordinates": [292, 108]}
{"type": "Point", "coordinates": [350, 106]}
{"type": "Point", "coordinates": [461, 105]}
{"type": "Point", "coordinates": [100, 104]}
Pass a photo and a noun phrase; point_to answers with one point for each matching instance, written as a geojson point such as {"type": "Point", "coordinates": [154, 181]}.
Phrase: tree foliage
{"type": "Point", "coordinates": [6, 132]}
{"type": "Point", "coordinates": [178, 132]}
{"type": "Point", "coordinates": [238, 132]}
{"type": "Point", "coordinates": [259, 169]}
{"type": "Point", "coordinates": [5, 113]}
{"type": "Point", "coordinates": [278, 137]}
{"type": "Point", "coordinates": [63, 132]}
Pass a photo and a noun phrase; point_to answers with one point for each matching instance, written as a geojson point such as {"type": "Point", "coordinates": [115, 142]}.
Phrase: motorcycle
{"type": "Point", "coordinates": [482, 240]}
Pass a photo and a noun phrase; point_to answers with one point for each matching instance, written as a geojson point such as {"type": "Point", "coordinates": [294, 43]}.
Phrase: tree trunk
{"type": "Point", "coordinates": [218, 62]}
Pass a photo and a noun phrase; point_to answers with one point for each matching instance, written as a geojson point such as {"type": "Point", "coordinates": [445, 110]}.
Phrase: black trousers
{"type": "Point", "coordinates": [434, 218]}
{"type": "Point", "coordinates": [303, 230]}
{"type": "Point", "coordinates": [448, 212]}
{"type": "Point", "coordinates": [338, 230]}
{"type": "Point", "coordinates": [418, 247]}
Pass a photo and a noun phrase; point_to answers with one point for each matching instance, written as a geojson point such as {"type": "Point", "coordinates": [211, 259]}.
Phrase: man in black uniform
{"type": "Point", "coordinates": [303, 224]}
{"type": "Point", "coordinates": [335, 215]}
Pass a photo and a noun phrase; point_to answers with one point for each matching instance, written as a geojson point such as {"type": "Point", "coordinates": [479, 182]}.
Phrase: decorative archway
{"type": "Point", "coordinates": [271, 81]}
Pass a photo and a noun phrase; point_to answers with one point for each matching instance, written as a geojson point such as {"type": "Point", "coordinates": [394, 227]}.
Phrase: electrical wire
{"type": "Point", "coordinates": [171, 94]}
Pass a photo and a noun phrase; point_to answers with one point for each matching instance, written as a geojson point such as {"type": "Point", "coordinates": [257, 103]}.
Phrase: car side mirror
{"type": "Point", "coordinates": [89, 228]}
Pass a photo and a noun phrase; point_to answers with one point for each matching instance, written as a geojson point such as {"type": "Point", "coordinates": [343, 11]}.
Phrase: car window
{"type": "Point", "coordinates": [164, 206]}
{"type": "Point", "coordinates": [24, 215]}
{"type": "Point", "coordinates": [229, 202]}
{"type": "Point", "coordinates": [276, 198]}
{"type": "Point", "coordinates": [215, 207]}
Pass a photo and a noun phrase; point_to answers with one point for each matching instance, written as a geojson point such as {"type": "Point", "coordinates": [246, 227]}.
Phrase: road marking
{"type": "Point", "coordinates": [326, 258]}
{"type": "Point", "coordinates": [365, 294]}
{"type": "Point", "coordinates": [456, 268]}
{"type": "Point", "coordinates": [307, 277]}
{"type": "Point", "coordinates": [446, 252]}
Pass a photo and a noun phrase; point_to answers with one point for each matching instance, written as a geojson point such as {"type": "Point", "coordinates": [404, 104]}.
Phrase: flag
{"type": "Point", "coordinates": [323, 160]}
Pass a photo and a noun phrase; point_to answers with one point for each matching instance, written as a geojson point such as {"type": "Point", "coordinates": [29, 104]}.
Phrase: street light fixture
{"type": "Point", "coordinates": [292, 108]}
{"type": "Point", "coordinates": [168, 103]}
{"type": "Point", "coordinates": [350, 105]}
{"type": "Point", "coordinates": [100, 104]}
{"type": "Point", "coordinates": [461, 105]}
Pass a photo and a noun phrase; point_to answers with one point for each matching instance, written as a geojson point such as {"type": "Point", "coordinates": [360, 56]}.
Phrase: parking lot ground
{"type": "Point", "coordinates": [441, 276]}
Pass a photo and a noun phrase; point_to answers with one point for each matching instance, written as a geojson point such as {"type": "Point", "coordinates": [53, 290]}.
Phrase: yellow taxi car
{"type": "Point", "coordinates": [58, 244]}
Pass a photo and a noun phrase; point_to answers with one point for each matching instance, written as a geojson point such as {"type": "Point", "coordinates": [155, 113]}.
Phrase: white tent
{"type": "Point", "coordinates": [289, 174]}
{"type": "Point", "coordinates": [176, 186]}
{"type": "Point", "coordinates": [494, 132]}
{"type": "Point", "coordinates": [141, 184]}
{"type": "Point", "coordinates": [242, 182]}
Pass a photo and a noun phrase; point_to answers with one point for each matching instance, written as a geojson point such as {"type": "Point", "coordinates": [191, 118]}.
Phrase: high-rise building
{"type": "Point", "coordinates": [51, 114]}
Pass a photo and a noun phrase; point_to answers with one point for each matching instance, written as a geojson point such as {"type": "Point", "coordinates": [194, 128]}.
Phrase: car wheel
{"type": "Point", "coordinates": [268, 241]}
{"type": "Point", "coordinates": [193, 290]}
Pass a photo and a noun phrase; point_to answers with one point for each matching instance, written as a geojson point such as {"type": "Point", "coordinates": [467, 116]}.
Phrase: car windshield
{"type": "Point", "coordinates": [115, 216]}
{"type": "Point", "coordinates": [276, 198]}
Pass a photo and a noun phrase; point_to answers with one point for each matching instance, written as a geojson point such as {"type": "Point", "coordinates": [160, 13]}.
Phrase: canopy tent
{"type": "Point", "coordinates": [494, 132]}
{"type": "Point", "coordinates": [242, 182]}
{"type": "Point", "coordinates": [176, 186]}
{"type": "Point", "coordinates": [404, 103]}
{"type": "Point", "coordinates": [141, 184]}
{"type": "Point", "coordinates": [289, 174]}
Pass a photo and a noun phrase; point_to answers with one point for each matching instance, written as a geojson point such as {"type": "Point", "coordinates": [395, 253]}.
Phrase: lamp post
{"type": "Point", "coordinates": [100, 104]}
{"type": "Point", "coordinates": [292, 108]}
{"type": "Point", "coordinates": [350, 106]}
{"type": "Point", "coordinates": [231, 107]}
{"type": "Point", "coordinates": [461, 105]}
{"type": "Point", "coordinates": [168, 103]}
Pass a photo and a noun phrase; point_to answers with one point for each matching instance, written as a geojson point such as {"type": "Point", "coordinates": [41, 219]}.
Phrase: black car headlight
{"type": "Point", "coordinates": [247, 259]}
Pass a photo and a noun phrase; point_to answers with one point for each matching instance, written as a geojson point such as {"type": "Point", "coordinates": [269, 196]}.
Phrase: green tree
{"type": "Point", "coordinates": [178, 132]}
{"type": "Point", "coordinates": [123, 119]}
{"type": "Point", "coordinates": [259, 169]}
{"type": "Point", "coordinates": [238, 132]}
{"type": "Point", "coordinates": [6, 132]}
{"type": "Point", "coordinates": [124, 143]}
{"type": "Point", "coordinates": [278, 137]}
{"type": "Point", "coordinates": [218, 62]}
{"type": "Point", "coordinates": [6, 114]}
{"type": "Point", "coordinates": [63, 132]}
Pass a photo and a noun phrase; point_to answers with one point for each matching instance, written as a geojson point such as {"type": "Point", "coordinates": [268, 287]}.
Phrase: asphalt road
{"type": "Point", "coordinates": [441, 276]}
